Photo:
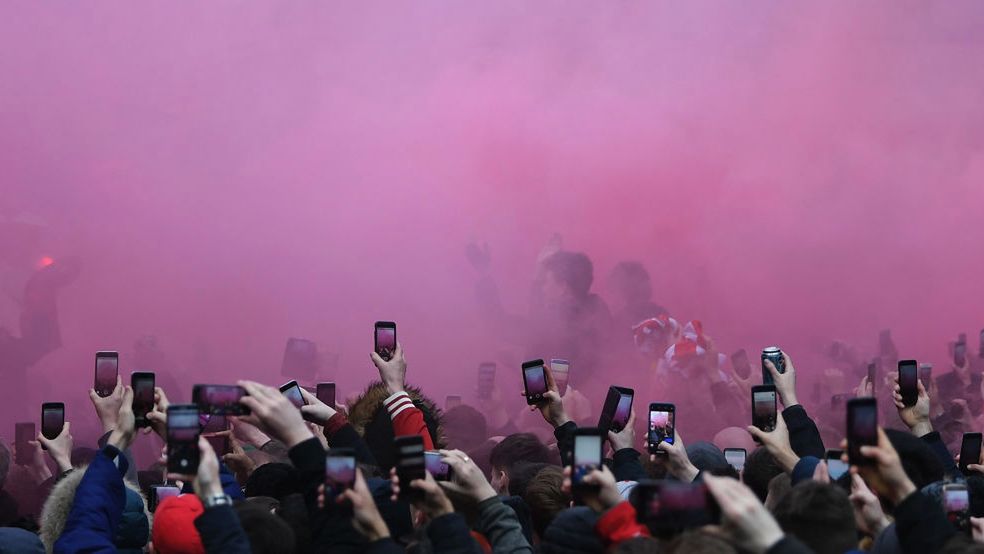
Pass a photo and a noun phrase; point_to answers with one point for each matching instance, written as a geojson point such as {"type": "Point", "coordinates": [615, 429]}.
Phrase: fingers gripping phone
{"type": "Point", "coordinates": [339, 472]}
{"type": "Point", "coordinates": [440, 470]}
{"type": "Point", "coordinates": [52, 419]}
{"type": "Point", "coordinates": [292, 391]}
{"type": "Point", "coordinates": [219, 400]}
{"type": "Point", "coordinates": [183, 429]}
{"type": "Point", "coordinates": [385, 339]}
{"type": "Point", "coordinates": [662, 421]}
{"type": "Point", "coordinates": [836, 468]}
{"type": "Point", "coordinates": [410, 463]}
{"type": "Point", "coordinates": [764, 407]}
{"type": "Point", "coordinates": [908, 379]}
{"type": "Point", "coordinates": [588, 444]}
{"type": "Point", "coordinates": [107, 369]}
{"type": "Point", "coordinates": [560, 370]}
{"type": "Point", "coordinates": [326, 393]}
{"type": "Point", "coordinates": [24, 432]}
{"type": "Point", "coordinates": [862, 428]}
{"type": "Point", "coordinates": [486, 380]}
{"type": "Point", "coordinates": [736, 458]}
{"type": "Point", "coordinates": [617, 410]}
{"type": "Point", "coordinates": [970, 451]}
{"type": "Point", "coordinates": [956, 504]}
{"type": "Point", "coordinates": [535, 381]}
{"type": "Point", "coordinates": [142, 383]}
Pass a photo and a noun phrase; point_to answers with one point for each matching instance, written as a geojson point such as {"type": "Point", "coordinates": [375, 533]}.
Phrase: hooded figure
{"type": "Point", "coordinates": [132, 534]}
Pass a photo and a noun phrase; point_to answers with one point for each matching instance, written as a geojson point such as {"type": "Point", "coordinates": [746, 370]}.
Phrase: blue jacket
{"type": "Point", "coordinates": [98, 506]}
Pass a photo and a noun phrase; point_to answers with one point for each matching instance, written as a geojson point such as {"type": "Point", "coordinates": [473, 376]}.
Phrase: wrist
{"type": "Point", "coordinates": [769, 540]}
{"type": "Point", "coordinates": [209, 489]}
{"type": "Point", "coordinates": [120, 439]}
{"type": "Point", "coordinates": [378, 531]}
{"type": "Point", "coordinates": [297, 436]}
{"type": "Point", "coordinates": [560, 421]}
{"type": "Point", "coordinates": [902, 492]}
{"type": "Point", "coordinates": [394, 387]}
{"type": "Point", "coordinates": [64, 463]}
{"type": "Point", "coordinates": [880, 526]}
{"type": "Point", "coordinates": [687, 473]}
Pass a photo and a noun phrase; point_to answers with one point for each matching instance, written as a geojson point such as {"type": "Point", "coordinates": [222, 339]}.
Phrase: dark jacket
{"type": "Point", "coordinates": [221, 531]}
{"type": "Point", "coordinates": [626, 465]}
{"type": "Point", "coordinates": [98, 506]}
{"type": "Point", "coordinates": [921, 524]}
{"type": "Point", "coordinates": [498, 523]}
{"type": "Point", "coordinates": [935, 442]}
{"type": "Point", "coordinates": [804, 437]}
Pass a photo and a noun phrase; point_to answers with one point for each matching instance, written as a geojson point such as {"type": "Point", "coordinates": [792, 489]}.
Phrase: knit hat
{"type": "Point", "coordinates": [276, 480]}
{"type": "Point", "coordinates": [706, 457]}
{"type": "Point", "coordinates": [174, 525]}
{"type": "Point", "coordinates": [572, 531]}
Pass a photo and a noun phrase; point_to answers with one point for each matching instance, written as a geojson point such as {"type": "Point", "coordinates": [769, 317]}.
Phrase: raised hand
{"type": "Point", "coordinates": [125, 429]}
{"type": "Point", "coordinates": [432, 501]}
{"type": "Point", "coordinates": [677, 462]}
{"type": "Point", "coordinates": [315, 410]}
{"type": "Point", "coordinates": [60, 447]}
{"type": "Point", "coordinates": [108, 408]}
{"type": "Point", "coordinates": [206, 482]}
{"type": "Point", "coordinates": [785, 382]}
{"type": "Point", "coordinates": [777, 442]}
{"type": "Point", "coordinates": [365, 515]}
{"type": "Point", "coordinates": [603, 494]}
{"type": "Point", "coordinates": [868, 513]}
{"type": "Point", "coordinates": [885, 476]}
{"type": "Point", "coordinates": [915, 417]}
{"type": "Point", "coordinates": [626, 438]}
{"type": "Point", "coordinates": [468, 478]}
{"type": "Point", "coordinates": [274, 414]}
{"type": "Point", "coordinates": [392, 373]}
{"type": "Point", "coordinates": [158, 416]}
{"type": "Point", "coordinates": [743, 518]}
{"type": "Point", "coordinates": [552, 405]}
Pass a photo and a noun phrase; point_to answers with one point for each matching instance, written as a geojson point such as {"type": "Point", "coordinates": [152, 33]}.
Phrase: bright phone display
{"type": "Point", "coordinates": [183, 429]}
{"type": "Point", "coordinates": [385, 339]}
{"type": "Point", "coordinates": [535, 381]}
{"type": "Point", "coordinates": [107, 368]}
{"type": "Point", "coordinates": [764, 407]}
{"type": "Point", "coordinates": [662, 418]}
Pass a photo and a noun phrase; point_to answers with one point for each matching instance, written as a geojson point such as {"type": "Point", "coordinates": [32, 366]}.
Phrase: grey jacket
{"type": "Point", "coordinates": [500, 526]}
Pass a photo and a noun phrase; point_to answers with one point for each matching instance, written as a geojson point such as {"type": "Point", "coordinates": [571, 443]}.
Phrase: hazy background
{"type": "Point", "coordinates": [234, 173]}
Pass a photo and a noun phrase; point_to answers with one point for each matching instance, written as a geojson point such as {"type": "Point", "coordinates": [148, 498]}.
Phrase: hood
{"type": "Point", "coordinates": [370, 402]}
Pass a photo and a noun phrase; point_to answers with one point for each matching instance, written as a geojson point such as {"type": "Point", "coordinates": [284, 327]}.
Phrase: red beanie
{"type": "Point", "coordinates": [174, 529]}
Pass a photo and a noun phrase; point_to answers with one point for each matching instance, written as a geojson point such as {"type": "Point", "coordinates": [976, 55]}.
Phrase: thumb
{"type": "Point", "coordinates": [757, 433]}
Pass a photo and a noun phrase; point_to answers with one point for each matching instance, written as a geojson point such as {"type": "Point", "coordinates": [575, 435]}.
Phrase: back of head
{"type": "Point", "coordinates": [819, 515]}
{"type": "Point", "coordinates": [572, 531]}
{"type": "Point", "coordinates": [464, 427]}
{"type": "Point", "coordinates": [918, 460]}
{"type": "Point", "coordinates": [573, 269]}
{"type": "Point", "coordinates": [546, 497]}
{"type": "Point", "coordinates": [699, 542]}
{"type": "Point", "coordinates": [760, 468]}
{"type": "Point", "coordinates": [275, 480]}
{"type": "Point", "coordinates": [369, 417]}
{"type": "Point", "coordinates": [517, 448]}
{"type": "Point", "coordinates": [268, 534]}
{"type": "Point", "coordinates": [778, 487]}
{"type": "Point", "coordinates": [707, 457]}
{"type": "Point", "coordinates": [521, 475]}
{"type": "Point", "coordinates": [174, 530]}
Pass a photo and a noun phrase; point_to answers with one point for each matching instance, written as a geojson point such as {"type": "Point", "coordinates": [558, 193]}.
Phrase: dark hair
{"type": "Point", "coordinates": [699, 542]}
{"type": "Point", "coordinates": [267, 533]}
{"type": "Point", "coordinates": [516, 448]}
{"type": "Point", "coordinates": [546, 497]}
{"type": "Point", "coordinates": [573, 269]}
{"type": "Point", "coordinates": [275, 480]}
{"type": "Point", "coordinates": [819, 515]}
{"type": "Point", "coordinates": [464, 427]}
{"type": "Point", "coordinates": [760, 468]}
{"type": "Point", "coordinates": [638, 545]}
{"type": "Point", "coordinates": [521, 475]}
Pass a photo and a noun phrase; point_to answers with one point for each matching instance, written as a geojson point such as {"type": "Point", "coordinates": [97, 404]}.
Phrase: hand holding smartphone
{"type": "Point", "coordinates": [956, 504]}
{"type": "Point", "coordinates": [339, 472]}
{"type": "Point", "coordinates": [560, 371]}
{"type": "Point", "coordinates": [486, 380]}
{"type": "Point", "coordinates": [662, 422]}
{"type": "Point", "coordinates": [292, 391]}
{"type": "Point", "coordinates": [107, 370]}
{"type": "Point", "coordinates": [588, 444]}
{"type": "Point", "coordinates": [158, 493]}
{"type": "Point", "coordinates": [219, 400]}
{"type": "Point", "coordinates": [535, 381]}
{"type": "Point", "coordinates": [836, 468]}
{"type": "Point", "coordinates": [908, 379]}
{"type": "Point", "coordinates": [736, 458]}
{"type": "Point", "coordinates": [385, 339]}
{"type": "Point", "coordinates": [52, 419]}
{"type": "Point", "coordinates": [300, 358]}
{"type": "Point", "coordinates": [970, 451]}
{"type": "Point", "coordinates": [764, 407]}
{"type": "Point", "coordinates": [617, 409]}
{"type": "Point", "coordinates": [143, 383]}
{"type": "Point", "coordinates": [411, 463]}
{"type": "Point", "coordinates": [183, 430]}
{"type": "Point", "coordinates": [436, 467]}
{"type": "Point", "coordinates": [960, 351]}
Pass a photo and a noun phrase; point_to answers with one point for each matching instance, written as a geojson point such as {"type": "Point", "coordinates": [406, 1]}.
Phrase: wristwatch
{"type": "Point", "coordinates": [217, 500]}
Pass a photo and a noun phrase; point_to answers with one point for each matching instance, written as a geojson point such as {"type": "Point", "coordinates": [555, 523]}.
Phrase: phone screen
{"type": "Point", "coordinates": [339, 474]}
{"type": "Point", "coordinates": [660, 425]}
{"type": "Point", "coordinates": [836, 468]}
{"type": "Point", "coordinates": [970, 450]}
{"type": "Point", "coordinates": [107, 368]}
{"type": "Point", "coordinates": [956, 504]}
{"type": "Point", "coordinates": [536, 383]}
{"type": "Point", "coordinates": [183, 428]}
{"type": "Point", "coordinates": [862, 428]}
{"type": "Point", "coordinates": [741, 364]}
{"type": "Point", "coordinates": [326, 393]}
{"type": "Point", "coordinates": [143, 396]}
{"type": "Point", "coordinates": [160, 493]}
{"type": "Point", "coordinates": [300, 358]}
{"type": "Point", "coordinates": [623, 412]}
{"type": "Point", "coordinates": [908, 378]}
{"type": "Point", "coordinates": [560, 370]}
{"type": "Point", "coordinates": [23, 433]}
{"type": "Point", "coordinates": [219, 399]}
{"type": "Point", "coordinates": [411, 462]}
{"type": "Point", "coordinates": [293, 393]}
{"type": "Point", "coordinates": [486, 380]}
{"type": "Point", "coordinates": [385, 340]}
{"type": "Point", "coordinates": [735, 458]}
{"type": "Point", "coordinates": [764, 409]}
{"type": "Point", "coordinates": [52, 419]}
{"type": "Point", "coordinates": [440, 470]}
{"type": "Point", "coordinates": [587, 456]}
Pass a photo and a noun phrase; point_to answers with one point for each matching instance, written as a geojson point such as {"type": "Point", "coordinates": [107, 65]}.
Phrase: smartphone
{"type": "Point", "coordinates": [736, 458]}
{"type": "Point", "coordinates": [52, 419]}
{"type": "Point", "coordinates": [107, 368]}
{"type": "Point", "coordinates": [926, 375]}
{"type": "Point", "coordinates": [741, 364]}
{"type": "Point", "coordinates": [385, 339]}
{"type": "Point", "coordinates": [908, 378]}
{"type": "Point", "coordinates": [339, 472]}
{"type": "Point", "coordinates": [873, 376]}
{"type": "Point", "coordinates": [300, 358]}
{"type": "Point", "coordinates": [142, 383]}
{"type": "Point", "coordinates": [219, 399]}
{"type": "Point", "coordinates": [862, 428]}
{"type": "Point", "coordinates": [326, 393]}
{"type": "Point", "coordinates": [956, 504]}
{"type": "Point", "coordinates": [440, 470]}
{"type": "Point", "coordinates": [669, 506]}
{"type": "Point", "coordinates": [292, 391]}
{"type": "Point", "coordinates": [535, 381]}
{"type": "Point", "coordinates": [183, 429]}
{"type": "Point", "coordinates": [764, 407]}
{"type": "Point", "coordinates": [960, 351]}
{"type": "Point", "coordinates": [212, 423]}
{"type": "Point", "coordinates": [452, 401]}
{"type": "Point", "coordinates": [486, 380]}
{"type": "Point", "coordinates": [662, 421]}
{"type": "Point", "coordinates": [970, 450]}
{"type": "Point", "coordinates": [410, 463]}
{"type": "Point", "coordinates": [24, 432]}
{"type": "Point", "coordinates": [158, 493]}
{"type": "Point", "coordinates": [617, 410]}
{"type": "Point", "coordinates": [836, 468]}
{"type": "Point", "coordinates": [560, 370]}
{"type": "Point", "coordinates": [588, 445]}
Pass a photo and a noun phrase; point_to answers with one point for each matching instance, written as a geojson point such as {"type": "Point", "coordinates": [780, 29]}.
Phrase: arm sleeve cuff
{"type": "Point", "coordinates": [397, 402]}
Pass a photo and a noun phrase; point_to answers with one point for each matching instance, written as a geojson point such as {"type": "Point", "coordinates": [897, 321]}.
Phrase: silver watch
{"type": "Point", "coordinates": [217, 500]}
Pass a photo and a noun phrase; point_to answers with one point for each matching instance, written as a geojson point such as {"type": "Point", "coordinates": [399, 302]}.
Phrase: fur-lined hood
{"type": "Point", "coordinates": [364, 409]}
{"type": "Point", "coordinates": [54, 515]}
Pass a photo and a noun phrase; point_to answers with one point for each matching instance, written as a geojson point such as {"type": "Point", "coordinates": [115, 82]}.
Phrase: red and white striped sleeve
{"type": "Point", "coordinates": [407, 418]}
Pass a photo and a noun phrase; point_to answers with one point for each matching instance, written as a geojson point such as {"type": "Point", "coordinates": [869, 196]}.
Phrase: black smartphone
{"type": "Point", "coordinates": [52, 419]}
{"type": "Point", "coordinates": [588, 444]}
{"type": "Point", "coordinates": [662, 422]}
{"type": "Point", "coordinates": [183, 429]}
{"type": "Point", "coordinates": [158, 493]}
{"type": "Point", "coordinates": [143, 384]}
{"type": "Point", "coordinates": [862, 428]}
{"type": "Point", "coordinates": [908, 379]}
{"type": "Point", "coordinates": [736, 458]}
{"type": "Point", "coordinates": [535, 381]}
{"type": "Point", "coordinates": [219, 399]}
{"type": "Point", "coordinates": [385, 339]}
{"type": "Point", "coordinates": [764, 407]}
{"type": "Point", "coordinates": [617, 409]}
{"type": "Point", "coordinates": [960, 351]}
{"type": "Point", "coordinates": [300, 359]}
{"type": "Point", "coordinates": [486, 380]}
{"type": "Point", "coordinates": [107, 369]}
{"type": "Point", "coordinates": [326, 393]}
{"type": "Point", "coordinates": [970, 450]}
{"type": "Point", "coordinates": [24, 432]}
{"type": "Point", "coordinates": [836, 468]}
{"type": "Point", "coordinates": [292, 391]}
{"type": "Point", "coordinates": [741, 364]}
{"type": "Point", "coordinates": [926, 375]}
{"type": "Point", "coordinates": [452, 401]}
{"type": "Point", "coordinates": [956, 504]}
{"type": "Point", "coordinates": [410, 463]}
{"type": "Point", "coordinates": [560, 370]}
{"type": "Point", "coordinates": [669, 507]}
{"type": "Point", "coordinates": [339, 472]}
{"type": "Point", "coordinates": [873, 376]}
{"type": "Point", "coordinates": [440, 470]}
